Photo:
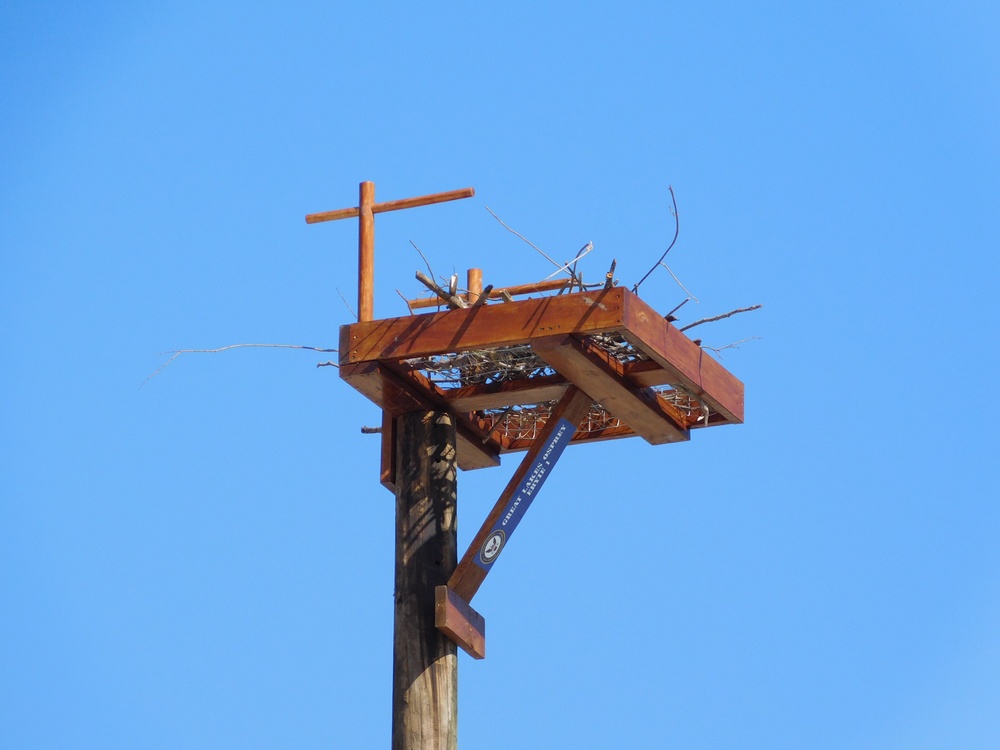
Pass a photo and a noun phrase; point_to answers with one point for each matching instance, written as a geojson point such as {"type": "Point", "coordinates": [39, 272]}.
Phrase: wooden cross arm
{"type": "Point", "coordinates": [377, 208]}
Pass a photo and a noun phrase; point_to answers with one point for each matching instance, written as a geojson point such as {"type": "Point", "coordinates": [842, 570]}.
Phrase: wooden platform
{"type": "Point", "coordinates": [386, 360]}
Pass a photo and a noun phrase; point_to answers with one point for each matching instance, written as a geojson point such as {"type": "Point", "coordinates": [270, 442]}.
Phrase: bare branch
{"type": "Point", "coordinates": [409, 309]}
{"type": "Point", "coordinates": [518, 234]}
{"type": "Point", "coordinates": [371, 430]}
{"type": "Point", "coordinates": [453, 301]}
{"type": "Point", "coordinates": [430, 272]}
{"type": "Point", "coordinates": [734, 345]}
{"type": "Point", "coordinates": [351, 311]}
{"type": "Point", "coordinates": [328, 363]}
{"type": "Point", "coordinates": [175, 353]}
{"type": "Point", "coordinates": [720, 317]}
{"type": "Point", "coordinates": [570, 266]}
{"type": "Point", "coordinates": [686, 290]}
{"type": "Point", "coordinates": [670, 315]}
{"type": "Point", "coordinates": [677, 231]}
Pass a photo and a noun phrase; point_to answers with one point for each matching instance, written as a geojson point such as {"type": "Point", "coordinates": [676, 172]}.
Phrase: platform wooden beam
{"type": "Point", "coordinates": [506, 393]}
{"type": "Point", "coordinates": [460, 622]}
{"type": "Point", "coordinates": [378, 208]}
{"type": "Point", "coordinates": [601, 378]}
{"type": "Point", "coordinates": [387, 455]}
{"type": "Point", "coordinates": [383, 386]}
{"type": "Point", "coordinates": [550, 285]}
{"type": "Point", "coordinates": [483, 327]}
{"type": "Point", "coordinates": [685, 362]}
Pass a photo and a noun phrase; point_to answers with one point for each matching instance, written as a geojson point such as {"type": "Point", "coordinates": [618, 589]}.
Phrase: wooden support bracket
{"type": "Point", "coordinates": [396, 396]}
{"type": "Point", "coordinates": [518, 494]}
{"type": "Point", "coordinates": [454, 617]}
{"type": "Point", "coordinates": [602, 378]}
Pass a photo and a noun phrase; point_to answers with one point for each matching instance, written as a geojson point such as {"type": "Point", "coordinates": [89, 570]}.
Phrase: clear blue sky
{"type": "Point", "coordinates": [206, 562]}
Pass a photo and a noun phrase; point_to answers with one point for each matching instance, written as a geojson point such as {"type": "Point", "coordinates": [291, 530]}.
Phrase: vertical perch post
{"type": "Point", "coordinates": [474, 283]}
{"type": "Point", "coordinates": [425, 661]}
{"type": "Point", "coordinates": [366, 252]}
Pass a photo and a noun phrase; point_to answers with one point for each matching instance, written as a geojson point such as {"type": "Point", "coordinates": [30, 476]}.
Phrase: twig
{"type": "Point", "coordinates": [452, 300]}
{"type": "Point", "coordinates": [328, 363]}
{"type": "Point", "coordinates": [677, 231]}
{"type": "Point", "coordinates": [571, 265]}
{"type": "Point", "coordinates": [408, 308]}
{"type": "Point", "coordinates": [371, 430]}
{"type": "Point", "coordinates": [175, 353]}
{"type": "Point", "coordinates": [609, 278]}
{"type": "Point", "coordinates": [346, 304]}
{"type": "Point", "coordinates": [484, 295]}
{"type": "Point", "coordinates": [670, 315]}
{"type": "Point", "coordinates": [426, 262]}
{"type": "Point", "coordinates": [720, 317]}
{"type": "Point", "coordinates": [734, 345]}
{"type": "Point", "coordinates": [518, 234]}
{"type": "Point", "coordinates": [686, 290]}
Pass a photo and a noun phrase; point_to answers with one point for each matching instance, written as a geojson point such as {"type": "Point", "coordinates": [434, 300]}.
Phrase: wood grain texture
{"type": "Point", "coordinates": [506, 393]}
{"type": "Point", "coordinates": [601, 377]}
{"type": "Point", "coordinates": [425, 661]}
{"type": "Point", "coordinates": [484, 327]}
{"type": "Point", "coordinates": [460, 622]}
{"type": "Point", "coordinates": [686, 363]}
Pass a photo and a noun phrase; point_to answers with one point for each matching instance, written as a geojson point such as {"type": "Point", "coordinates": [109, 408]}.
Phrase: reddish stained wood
{"type": "Point", "coordinates": [366, 253]}
{"type": "Point", "coordinates": [459, 621]}
{"type": "Point", "coordinates": [474, 282]}
{"type": "Point", "coordinates": [422, 200]}
{"type": "Point", "coordinates": [550, 285]}
{"type": "Point", "coordinates": [686, 363]}
{"type": "Point", "coordinates": [398, 396]}
{"type": "Point", "coordinates": [601, 377]}
{"type": "Point", "coordinates": [506, 393]}
{"type": "Point", "coordinates": [484, 327]}
{"type": "Point", "coordinates": [387, 455]}
{"type": "Point", "coordinates": [468, 576]}
{"type": "Point", "coordinates": [424, 660]}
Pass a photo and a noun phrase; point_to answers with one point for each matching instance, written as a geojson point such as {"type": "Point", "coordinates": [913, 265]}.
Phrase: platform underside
{"type": "Point", "coordinates": [499, 368]}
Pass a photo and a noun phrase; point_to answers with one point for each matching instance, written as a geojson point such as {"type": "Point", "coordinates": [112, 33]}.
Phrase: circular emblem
{"type": "Point", "coordinates": [491, 547]}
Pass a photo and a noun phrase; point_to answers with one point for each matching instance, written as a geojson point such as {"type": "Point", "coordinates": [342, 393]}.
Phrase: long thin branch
{"type": "Point", "coordinates": [735, 345]}
{"type": "Point", "coordinates": [720, 317]}
{"type": "Point", "coordinates": [518, 234]}
{"type": "Point", "coordinates": [346, 303]}
{"type": "Point", "coordinates": [427, 263]}
{"type": "Point", "coordinates": [175, 353]}
{"type": "Point", "coordinates": [570, 266]}
{"type": "Point", "coordinates": [670, 315]}
{"type": "Point", "coordinates": [686, 290]}
{"type": "Point", "coordinates": [677, 231]}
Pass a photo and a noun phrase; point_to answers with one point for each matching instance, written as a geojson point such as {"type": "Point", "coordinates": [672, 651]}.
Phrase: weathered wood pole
{"type": "Point", "coordinates": [425, 661]}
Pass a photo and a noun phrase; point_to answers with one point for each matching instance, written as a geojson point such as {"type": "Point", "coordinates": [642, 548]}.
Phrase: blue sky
{"type": "Point", "coordinates": [207, 561]}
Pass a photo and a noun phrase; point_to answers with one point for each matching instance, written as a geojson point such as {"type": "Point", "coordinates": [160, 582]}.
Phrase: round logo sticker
{"type": "Point", "coordinates": [491, 547]}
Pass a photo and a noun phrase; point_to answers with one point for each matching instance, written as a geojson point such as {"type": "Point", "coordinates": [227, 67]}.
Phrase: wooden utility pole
{"type": "Point", "coordinates": [425, 660]}
{"type": "Point", "coordinates": [611, 365]}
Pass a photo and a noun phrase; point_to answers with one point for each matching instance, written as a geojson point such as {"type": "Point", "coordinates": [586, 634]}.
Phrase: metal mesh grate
{"type": "Point", "coordinates": [481, 366]}
{"type": "Point", "coordinates": [526, 422]}
{"type": "Point", "coordinates": [485, 366]}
